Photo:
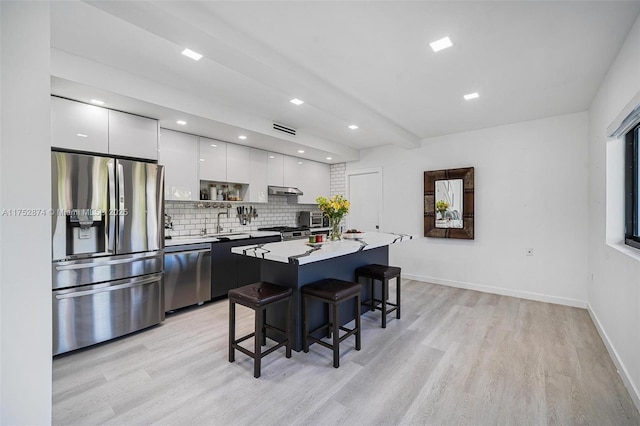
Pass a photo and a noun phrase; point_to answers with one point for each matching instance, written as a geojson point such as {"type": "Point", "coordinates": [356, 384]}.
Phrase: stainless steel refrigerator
{"type": "Point", "coordinates": [107, 240]}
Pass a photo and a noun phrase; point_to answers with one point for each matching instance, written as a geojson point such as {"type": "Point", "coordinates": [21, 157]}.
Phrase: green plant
{"type": "Point", "coordinates": [335, 207]}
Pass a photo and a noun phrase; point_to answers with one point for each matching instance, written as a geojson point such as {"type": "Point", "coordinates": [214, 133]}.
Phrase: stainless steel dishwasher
{"type": "Point", "coordinates": [187, 275]}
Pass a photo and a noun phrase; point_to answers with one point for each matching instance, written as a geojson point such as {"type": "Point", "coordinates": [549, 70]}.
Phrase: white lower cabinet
{"type": "Point", "coordinates": [179, 155]}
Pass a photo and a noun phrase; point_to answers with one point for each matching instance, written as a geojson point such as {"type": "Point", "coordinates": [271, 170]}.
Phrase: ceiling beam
{"type": "Point", "coordinates": [197, 26]}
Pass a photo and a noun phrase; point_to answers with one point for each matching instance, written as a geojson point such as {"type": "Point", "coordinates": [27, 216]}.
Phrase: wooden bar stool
{"type": "Point", "coordinates": [382, 273]}
{"type": "Point", "coordinates": [332, 292]}
{"type": "Point", "coordinates": [258, 296]}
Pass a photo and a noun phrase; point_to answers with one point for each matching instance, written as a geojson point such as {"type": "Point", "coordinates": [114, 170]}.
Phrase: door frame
{"type": "Point", "coordinates": [370, 170]}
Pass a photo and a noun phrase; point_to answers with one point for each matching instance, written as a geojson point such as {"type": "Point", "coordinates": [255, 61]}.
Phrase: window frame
{"type": "Point", "coordinates": [632, 190]}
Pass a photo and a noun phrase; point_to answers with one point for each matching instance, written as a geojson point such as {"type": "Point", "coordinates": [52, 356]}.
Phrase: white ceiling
{"type": "Point", "coordinates": [366, 63]}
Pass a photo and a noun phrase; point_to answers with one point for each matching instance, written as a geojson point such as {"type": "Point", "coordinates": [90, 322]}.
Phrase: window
{"type": "Point", "coordinates": [632, 188]}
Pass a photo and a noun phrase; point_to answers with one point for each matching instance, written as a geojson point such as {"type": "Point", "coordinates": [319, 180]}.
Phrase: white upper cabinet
{"type": "Point", "coordinates": [258, 180]}
{"type": "Point", "coordinates": [275, 169]}
{"type": "Point", "coordinates": [238, 163]}
{"type": "Point", "coordinates": [179, 155]}
{"type": "Point", "coordinates": [314, 180]}
{"type": "Point", "coordinates": [213, 160]}
{"type": "Point", "coordinates": [290, 171]}
{"type": "Point", "coordinates": [133, 136]}
{"type": "Point", "coordinates": [311, 177]}
{"type": "Point", "coordinates": [89, 128]}
{"type": "Point", "coordinates": [79, 126]}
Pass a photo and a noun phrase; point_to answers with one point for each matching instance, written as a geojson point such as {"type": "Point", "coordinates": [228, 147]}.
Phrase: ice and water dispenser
{"type": "Point", "coordinates": [85, 231]}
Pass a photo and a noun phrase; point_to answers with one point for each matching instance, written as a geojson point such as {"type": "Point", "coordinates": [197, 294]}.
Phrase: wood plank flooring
{"type": "Point", "coordinates": [457, 357]}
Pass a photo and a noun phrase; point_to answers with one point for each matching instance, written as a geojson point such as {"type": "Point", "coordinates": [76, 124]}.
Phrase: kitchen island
{"type": "Point", "coordinates": [296, 263]}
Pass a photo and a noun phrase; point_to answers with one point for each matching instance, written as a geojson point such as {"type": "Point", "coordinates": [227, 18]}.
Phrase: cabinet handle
{"type": "Point", "coordinates": [188, 252]}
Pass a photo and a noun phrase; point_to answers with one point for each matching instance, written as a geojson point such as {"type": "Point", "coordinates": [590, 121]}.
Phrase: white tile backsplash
{"type": "Point", "coordinates": [337, 183]}
{"type": "Point", "coordinates": [189, 218]}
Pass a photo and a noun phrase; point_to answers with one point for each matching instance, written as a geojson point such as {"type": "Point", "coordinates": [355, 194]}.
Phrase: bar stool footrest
{"type": "Point", "coordinates": [261, 354]}
{"type": "Point", "coordinates": [349, 332]}
{"type": "Point", "coordinates": [378, 305]}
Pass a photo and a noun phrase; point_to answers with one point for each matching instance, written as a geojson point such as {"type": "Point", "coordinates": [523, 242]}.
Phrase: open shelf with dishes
{"type": "Point", "coordinates": [222, 191]}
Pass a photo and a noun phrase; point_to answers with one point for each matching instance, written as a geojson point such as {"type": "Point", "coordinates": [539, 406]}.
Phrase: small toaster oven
{"type": "Point", "coordinates": [312, 219]}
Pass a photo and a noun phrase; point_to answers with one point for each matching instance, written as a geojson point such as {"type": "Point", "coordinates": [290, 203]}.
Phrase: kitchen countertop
{"type": "Point", "coordinates": [300, 252]}
{"type": "Point", "coordinates": [213, 238]}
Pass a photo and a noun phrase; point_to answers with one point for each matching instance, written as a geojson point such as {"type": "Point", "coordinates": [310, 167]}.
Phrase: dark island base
{"type": "Point", "coordinates": [296, 276]}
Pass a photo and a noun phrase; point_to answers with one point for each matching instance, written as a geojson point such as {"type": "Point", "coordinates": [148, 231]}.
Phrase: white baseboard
{"type": "Point", "coordinates": [622, 371]}
{"type": "Point", "coordinates": [501, 291]}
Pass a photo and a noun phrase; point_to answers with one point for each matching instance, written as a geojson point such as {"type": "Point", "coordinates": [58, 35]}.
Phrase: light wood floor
{"type": "Point", "coordinates": [457, 357]}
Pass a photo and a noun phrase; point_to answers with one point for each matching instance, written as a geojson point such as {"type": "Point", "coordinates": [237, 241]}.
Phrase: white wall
{"type": "Point", "coordinates": [530, 192]}
{"type": "Point", "coordinates": [614, 270]}
{"type": "Point", "coordinates": [25, 254]}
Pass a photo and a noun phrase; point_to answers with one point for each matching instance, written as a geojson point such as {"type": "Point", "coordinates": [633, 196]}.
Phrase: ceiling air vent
{"type": "Point", "coordinates": [285, 129]}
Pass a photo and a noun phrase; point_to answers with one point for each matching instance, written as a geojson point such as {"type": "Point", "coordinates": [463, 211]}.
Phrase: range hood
{"type": "Point", "coordinates": [284, 190]}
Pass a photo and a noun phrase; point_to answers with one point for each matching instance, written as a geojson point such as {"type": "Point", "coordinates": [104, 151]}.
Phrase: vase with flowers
{"type": "Point", "coordinates": [334, 208]}
{"type": "Point", "coordinates": [442, 207]}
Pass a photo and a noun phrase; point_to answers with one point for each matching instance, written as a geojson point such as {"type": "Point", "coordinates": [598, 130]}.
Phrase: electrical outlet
{"type": "Point", "coordinates": [529, 252]}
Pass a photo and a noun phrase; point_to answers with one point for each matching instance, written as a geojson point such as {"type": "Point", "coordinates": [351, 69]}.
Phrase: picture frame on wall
{"type": "Point", "coordinates": [449, 203]}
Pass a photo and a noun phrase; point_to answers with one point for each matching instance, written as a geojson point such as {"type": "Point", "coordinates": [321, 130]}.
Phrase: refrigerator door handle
{"type": "Point", "coordinates": [128, 284]}
{"type": "Point", "coordinates": [111, 223]}
{"type": "Point", "coordinates": [95, 263]}
{"type": "Point", "coordinates": [121, 212]}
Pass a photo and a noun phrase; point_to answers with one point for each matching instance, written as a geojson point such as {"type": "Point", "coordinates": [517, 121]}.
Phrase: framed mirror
{"type": "Point", "coordinates": [448, 203]}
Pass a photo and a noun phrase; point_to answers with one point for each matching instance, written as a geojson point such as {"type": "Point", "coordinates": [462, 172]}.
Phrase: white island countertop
{"type": "Point", "coordinates": [301, 252]}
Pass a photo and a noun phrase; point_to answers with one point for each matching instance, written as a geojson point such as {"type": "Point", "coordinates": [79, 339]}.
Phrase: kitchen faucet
{"type": "Point", "coordinates": [203, 231]}
{"type": "Point", "coordinates": [218, 227]}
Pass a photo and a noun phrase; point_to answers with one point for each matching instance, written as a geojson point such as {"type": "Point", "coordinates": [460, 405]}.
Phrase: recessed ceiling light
{"type": "Point", "coordinates": [301, 151]}
{"type": "Point", "coordinates": [82, 135]}
{"type": "Point", "coordinates": [243, 137]}
{"type": "Point", "coordinates": [443, 43]}
{"type": "Point", "coordinates": [271, 156]}
{"type": "Point", "coordinates": [202, 159]}
{"type": "Point", "coordinates": [181, 122]}
{"type": "Point", "coordinates": [191, 54]}
{"type": "Point", "coordinates": [470, 96]}
{"type": "Point", "coordinates": [214, 145]}
{"type": "Point", "coordinates": [299, 162]}
{"type": "Point", "coordinates": [329, 158]}
{"type": "Point", "coordinates": [97, 102]}
{"type": "Point", "coordinates": [353, 126]}
{"type": "Point", "coordinates": [296, 101]}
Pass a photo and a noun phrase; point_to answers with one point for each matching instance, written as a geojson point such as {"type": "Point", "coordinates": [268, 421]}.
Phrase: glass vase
{"type": "Point", "coordinates": [335, 234]}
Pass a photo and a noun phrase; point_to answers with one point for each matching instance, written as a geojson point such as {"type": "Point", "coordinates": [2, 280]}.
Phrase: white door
{"type": "Point", "coordinates": [364, 191]}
